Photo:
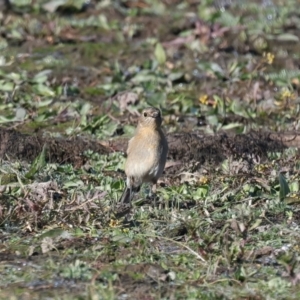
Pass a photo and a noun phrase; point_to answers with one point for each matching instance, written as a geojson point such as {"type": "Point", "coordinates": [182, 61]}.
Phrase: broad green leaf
{"type": "Point", "coordinates": [6, 86]}
{"type": "Point", "coordinates": [75, 183]}
{"type": "Point", "coordinates": [175, 76]}
{"type": "Point", "coordinates": [85, 109]}
{"type": "Point", "coordinates": [231, 126]}
{"type": "Point", "coordinates": [160, 54]}
{"type": "Point", "coordinates": [13, 76]}
{"type": "Point", "coordinates": [54, 233]}
{"type": "Point", "coordinates": [287, 37]}
{"type": "Point", "coordinates": [52, 6]}
{"type": "Point", "coordinates": [7, 119]}
{"type": "Point", "coordinates": [294, 186]}
{"type": "Point", "coordinates": [42, 76]}
{"type": "Point", "coordinates": [44, 90]}
{"type": "Point", "coordinates": [284, 188]}
{"type": "Point", "coordinates": [20, 2]}
{"type": "Point", "coordinates": [44, 103]}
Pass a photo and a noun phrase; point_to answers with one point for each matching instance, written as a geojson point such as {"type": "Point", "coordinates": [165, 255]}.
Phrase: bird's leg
{"type": "Point", "coordinates": [129, 191]}
{"type": "Point", "coordinates": [154, 188]}
{"type": "Point", "coordinates": [126, 196]}
{"type": "Point", "coordinates": [153, 191]}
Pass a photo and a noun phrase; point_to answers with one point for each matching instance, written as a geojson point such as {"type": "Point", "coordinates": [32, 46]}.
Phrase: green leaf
{"type": "Point", "coordinates": [6, 86]}
{"type": "Point", "coordinates": [44, 90]}
{"type": "Point", "coordinates": [142, 77]}
{"type": "Point", "coordinates": [109, 129]}
{"type": "Point", "coordinates": [42, 76]}
{"type": "Point", "coordinates": [232, 126]}
{"type": "Point", "coordinates": [52, 6]}
{"type": "Point", "coordinates": [294, 186]}
{"type": "Point", "coordinates": [16, 77]}
{"type": "Point", "coordinates": [287, 37]}
{"type": "Point", "coordinates": [121, 238]}
{"type": "Point", "coordinates": [175, 76]}
{"type": "Point", "coordinates": [54, 233]}
{"type": "Point", "coordinates": [160, 54]}
{"type": "Point", "coordinates": [20, 2]}
{"type": "Point", "coordinates": [38, 164]}
{"type": "Point", "coordinates": [284, 188]}
{"type": "Point", "coordinates": [201, 192]}
{"type": "Point", "coordinates": [44, 103]}
{"type": "Point", "coordinates": [256, 224]}
{"type": "Point", "coordinates": [71, 184]}
{"type": "Point", "coordinates": [7, 119]}
{"type": "Point", "coordinates": [85, 109]}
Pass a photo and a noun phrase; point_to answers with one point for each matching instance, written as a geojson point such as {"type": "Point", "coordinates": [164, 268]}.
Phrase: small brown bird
{"type": "Point", "coordinates": [146, 153]}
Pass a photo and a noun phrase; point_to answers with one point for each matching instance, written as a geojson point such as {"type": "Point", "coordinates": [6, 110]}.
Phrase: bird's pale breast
{"type": "Point", "coordinates": [146, 155]}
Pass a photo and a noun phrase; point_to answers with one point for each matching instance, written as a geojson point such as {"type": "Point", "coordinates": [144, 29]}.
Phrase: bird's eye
{"type": "Point", "coordinates": [145, 114]}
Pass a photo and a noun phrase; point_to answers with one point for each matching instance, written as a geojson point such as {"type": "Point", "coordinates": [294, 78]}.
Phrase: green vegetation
{"type": "Point", "coordinates": [224, 223]}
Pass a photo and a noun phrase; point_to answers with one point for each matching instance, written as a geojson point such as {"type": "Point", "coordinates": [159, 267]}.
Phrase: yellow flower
{"type": "Point", "coordinates": [287, 94]}
{"type": "Point", "coordinates": [269, 57]}
{"type": "Point", "coordinates": [203, 180]}
{"type": "Point", "coordinates": [261, 168]}
{"type": "Point", "coordinates": [113, 223]}
{"type": "Point", "coordinates": [203, 99]}
{"type": "Point", "coordinates": [284, 97]}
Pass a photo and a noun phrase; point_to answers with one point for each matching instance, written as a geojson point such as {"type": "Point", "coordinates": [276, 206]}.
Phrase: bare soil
{"type": "Point", "coordinates": [184, 147]}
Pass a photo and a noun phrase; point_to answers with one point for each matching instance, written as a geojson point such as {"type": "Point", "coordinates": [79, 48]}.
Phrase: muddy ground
{"type": "Point", "coordinates": [184, 147]}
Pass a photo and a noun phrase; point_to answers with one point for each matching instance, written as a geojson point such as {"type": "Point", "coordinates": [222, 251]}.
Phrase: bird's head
{"type": "Point", "coordinates": [151, 117]}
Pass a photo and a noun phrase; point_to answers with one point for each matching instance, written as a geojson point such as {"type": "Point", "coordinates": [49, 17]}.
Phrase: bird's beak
{"type": "Point", "coordinates": [155, 114]}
